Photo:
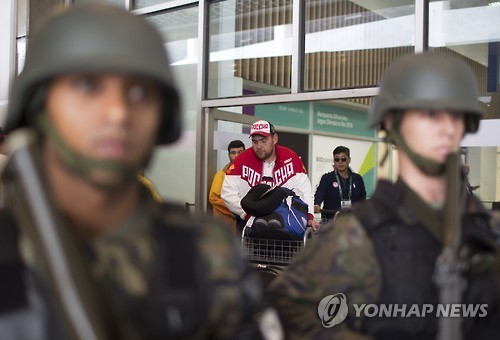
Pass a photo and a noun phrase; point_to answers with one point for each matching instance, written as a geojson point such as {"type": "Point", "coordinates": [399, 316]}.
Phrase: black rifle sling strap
{"type": "Point", "coordinates": [180, 283]}
{"type": "Point", "coordinates": [12, 284]}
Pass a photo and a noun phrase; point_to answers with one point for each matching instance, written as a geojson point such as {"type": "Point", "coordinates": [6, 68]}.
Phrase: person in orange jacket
{"type": "Point", "coordinates": [220, 209]}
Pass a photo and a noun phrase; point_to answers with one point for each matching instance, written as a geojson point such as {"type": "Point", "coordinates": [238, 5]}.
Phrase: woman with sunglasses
{"type": "Point", "coordinates": [340, 188]}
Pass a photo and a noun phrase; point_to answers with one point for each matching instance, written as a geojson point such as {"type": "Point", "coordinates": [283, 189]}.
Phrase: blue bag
{"type": "Point", "coordinates": [279, 213]}
{"type": "Point", "coordinates": [293, 212]}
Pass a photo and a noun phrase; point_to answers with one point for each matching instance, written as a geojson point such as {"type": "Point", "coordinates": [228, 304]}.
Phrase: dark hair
{"type": "Point", "coordinates": [272, 129]}
{"type": "Point", "coordinates": [235, 144]}
{"type": "Point", "coordinates": [340, 149]}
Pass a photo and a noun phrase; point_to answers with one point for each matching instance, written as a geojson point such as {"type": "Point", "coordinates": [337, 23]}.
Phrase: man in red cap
{"type": "Point", "coordinates": [268, 163]}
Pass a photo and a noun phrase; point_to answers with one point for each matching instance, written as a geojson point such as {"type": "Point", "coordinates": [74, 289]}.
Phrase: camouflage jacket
{"type": "Point", "coordinates": [221, 293]}
{"type": "Point", "coordinates": [343, 259]}
{"type": "Point", "coordinates": [172, 274]}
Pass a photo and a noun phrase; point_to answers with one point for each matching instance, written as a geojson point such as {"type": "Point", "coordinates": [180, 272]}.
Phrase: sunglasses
{"type": "Point", "coordinates": [343, 159]}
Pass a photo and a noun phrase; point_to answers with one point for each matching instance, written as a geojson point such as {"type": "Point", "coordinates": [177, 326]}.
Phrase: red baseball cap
{"type": "Point", "coordinates": [263, 128]}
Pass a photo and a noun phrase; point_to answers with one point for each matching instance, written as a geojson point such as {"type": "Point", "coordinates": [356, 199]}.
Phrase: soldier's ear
{"type": "Point", "coordinates": [387, 122]}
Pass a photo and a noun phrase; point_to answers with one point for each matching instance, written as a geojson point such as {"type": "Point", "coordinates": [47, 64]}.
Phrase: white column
{"type": "Point", "coordinates": [7, 51]}
{"type": "Point", "coordinates": [487, 172]}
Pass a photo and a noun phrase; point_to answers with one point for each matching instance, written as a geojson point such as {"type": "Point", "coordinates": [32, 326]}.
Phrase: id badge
{"type": "Point", "coordinates": [345, 204]}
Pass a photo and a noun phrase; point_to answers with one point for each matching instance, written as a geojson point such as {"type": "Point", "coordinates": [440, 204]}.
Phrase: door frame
{"type": "Point", "coordinates": [206, 163]}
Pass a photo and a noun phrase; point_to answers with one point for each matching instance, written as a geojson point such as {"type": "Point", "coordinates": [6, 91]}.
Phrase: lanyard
{"type": "Point", "coordinates": [340, 186]}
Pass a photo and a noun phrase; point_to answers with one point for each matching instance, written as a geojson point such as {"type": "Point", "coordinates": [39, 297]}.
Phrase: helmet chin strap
{"type": "Point", "coordinates": [426, 165]}
{"type": "Point", "coordinates": [81, 165]}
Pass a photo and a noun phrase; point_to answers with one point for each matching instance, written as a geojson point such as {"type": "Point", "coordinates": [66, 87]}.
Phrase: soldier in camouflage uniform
{"type": "Point", "coordinates": [384, 251]}
{"type": "Point", "coordinates": [97, 91]}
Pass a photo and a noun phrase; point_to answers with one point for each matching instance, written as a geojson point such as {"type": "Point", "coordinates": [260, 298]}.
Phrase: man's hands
{"type": "Point", "coordinates": [313, 224]}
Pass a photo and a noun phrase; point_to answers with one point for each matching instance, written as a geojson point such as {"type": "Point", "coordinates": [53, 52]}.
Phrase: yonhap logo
{"type": "Point", "coordinates": [332, 310]}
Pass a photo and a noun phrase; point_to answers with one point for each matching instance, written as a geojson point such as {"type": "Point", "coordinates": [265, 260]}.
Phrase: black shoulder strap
{"type": "Point", "coordinates": [12, 284]}
{"type": "Point", "coordinates": [380, 209]}
{"type": "Point", "coordinates": [479, 227]}
{"type": "Point", "coordinates": [180, 280]}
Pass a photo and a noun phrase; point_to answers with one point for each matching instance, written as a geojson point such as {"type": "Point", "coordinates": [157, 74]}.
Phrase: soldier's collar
{"type": "Point", "coordinates": [414, 209]}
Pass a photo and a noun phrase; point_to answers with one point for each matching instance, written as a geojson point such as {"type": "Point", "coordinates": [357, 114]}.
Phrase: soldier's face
{"type": "Point", "coordinates": [106, 116]}
{"type": "Point", "coordinates": [432, 134]}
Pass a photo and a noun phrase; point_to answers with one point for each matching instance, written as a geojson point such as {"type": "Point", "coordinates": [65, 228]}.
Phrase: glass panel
{"type": "Point", "coordinates": [173, 167]}
{"type": "Point", "coordinates": [22, 18]}
{"type": "Point", "coordinates": [476, 41]}
{"type": "Point", "coordinates": [224, 133]}
{"type": "Point", "coordinates": [348, 44]}
{"type": "Point", "coordinates": [250, 47]}
{"type": "Point", "coordinates": [333, 123]}
{"type": "Point", "coordinates": [120, 3]}
{"type": "Point", "coordinates": [146, 3]}
{"type": "Point", "coordinates": [469, 29]}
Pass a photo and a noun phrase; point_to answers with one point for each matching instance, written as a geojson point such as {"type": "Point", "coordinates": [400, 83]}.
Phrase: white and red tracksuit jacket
{"type": "Point", "coordinates": [247, 171]}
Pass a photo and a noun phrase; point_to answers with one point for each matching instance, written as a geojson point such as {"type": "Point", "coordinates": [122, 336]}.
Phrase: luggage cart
{"type": "Point", "coordinates": [324, 221]}
{"type": "Point", "coordinates": [271, 256]}
{"type": "Point", "coordinates": [272, 251]}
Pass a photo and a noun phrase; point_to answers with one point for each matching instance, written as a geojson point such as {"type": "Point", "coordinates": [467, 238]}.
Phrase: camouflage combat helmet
{"type": "Point", "coordinates": [95, 38]}
{"type": "Point", "coordinates": [432, 81]}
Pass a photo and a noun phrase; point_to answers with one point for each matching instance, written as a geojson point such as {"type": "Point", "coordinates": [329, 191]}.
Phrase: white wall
{"type": "Point", "coordinates": [484, 160]}
{"type": "Point", "coordinates": [487, 135]}
{"type": "Point", "coordinates": [483, 172]}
